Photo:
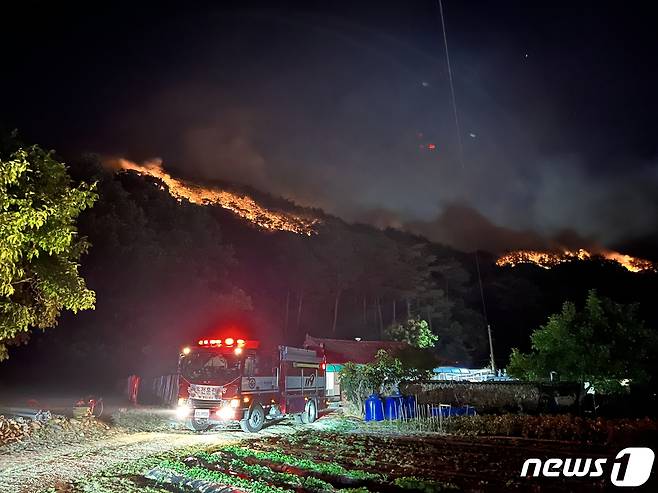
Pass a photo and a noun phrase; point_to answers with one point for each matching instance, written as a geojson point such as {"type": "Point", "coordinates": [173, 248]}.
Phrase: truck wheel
{"type": "Point", "coordinates": [198, 424]}
{"type": "Point", "coordinates": [310, 414]}
{"type": "Point", "coordinates": [254, 422]}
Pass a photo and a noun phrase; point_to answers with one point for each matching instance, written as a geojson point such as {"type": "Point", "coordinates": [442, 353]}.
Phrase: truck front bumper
{"type": "Point", "coordinates": [215, 414]}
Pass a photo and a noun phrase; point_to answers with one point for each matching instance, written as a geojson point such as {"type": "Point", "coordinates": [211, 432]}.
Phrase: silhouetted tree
{"type": "Point", "coordinates": [39, 245]}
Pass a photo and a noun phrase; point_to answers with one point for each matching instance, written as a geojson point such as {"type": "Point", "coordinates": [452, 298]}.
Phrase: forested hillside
{"type": "Point", "coordinates": [167, 271]}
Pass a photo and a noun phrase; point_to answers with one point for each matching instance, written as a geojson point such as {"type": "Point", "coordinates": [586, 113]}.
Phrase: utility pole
{"type": "Point", "coordinates": [484, 313]}
{"type": "Point", "coordinates": [493, 364]}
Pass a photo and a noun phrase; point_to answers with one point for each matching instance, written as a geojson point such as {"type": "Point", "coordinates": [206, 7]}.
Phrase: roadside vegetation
{"type": "Point", "coordinates": [18, 434]}
{"type": "Point", "coordinates": [142, 420]}
{"type": "Point", "coordinates": [563, 427]}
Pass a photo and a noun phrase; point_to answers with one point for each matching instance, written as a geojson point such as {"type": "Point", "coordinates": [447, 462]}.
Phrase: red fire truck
{"type": "Point", "coordinates": [234, 380]}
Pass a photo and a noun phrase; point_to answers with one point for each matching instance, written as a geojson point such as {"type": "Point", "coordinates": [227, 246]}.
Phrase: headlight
{"type": "Point", "coordinates": [182, 412]}
{"type": "Point", "coordinates": [226, 413]}
{"type": "Point", "coordinates": [182, 401]}
{"type": "Point", "coordinates": [235, 402]}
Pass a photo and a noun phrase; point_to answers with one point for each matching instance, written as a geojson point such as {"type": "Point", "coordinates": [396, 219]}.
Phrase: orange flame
{"type": "Point", "coordinates": [242, 205]}
{"type": "Point", "coordinates": [547, 260]}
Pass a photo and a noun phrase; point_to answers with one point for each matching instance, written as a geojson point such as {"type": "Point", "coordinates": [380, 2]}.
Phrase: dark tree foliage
{"type": "Point", "coordinates": [520, 299]}
{"type": "Point", "coordinates": [603, 344]}
{"type": "Point", "coordinates": [39, 245]}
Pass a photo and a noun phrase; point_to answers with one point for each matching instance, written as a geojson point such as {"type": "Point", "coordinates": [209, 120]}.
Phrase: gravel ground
{"type": "Point", "coordinates": [28, 471]}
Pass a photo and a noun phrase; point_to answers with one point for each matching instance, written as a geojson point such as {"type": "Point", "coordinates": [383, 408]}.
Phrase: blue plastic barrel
{"type": "Point", "coordinates": [393, 407]}
{"type": "Point", "coordinates": [374, 408]}
{"type": "Point", "coordinates": [409, 406]}
{"type": "Point", "coordinates": [464, 411]}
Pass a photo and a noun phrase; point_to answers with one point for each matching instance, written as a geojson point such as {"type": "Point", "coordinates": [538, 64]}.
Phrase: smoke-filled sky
{"type": "Point", "coordinates": [346, 106]}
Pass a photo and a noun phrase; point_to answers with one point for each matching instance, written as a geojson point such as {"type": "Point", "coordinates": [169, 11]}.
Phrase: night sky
{"type": "Point", "coordinates": [335, 104]}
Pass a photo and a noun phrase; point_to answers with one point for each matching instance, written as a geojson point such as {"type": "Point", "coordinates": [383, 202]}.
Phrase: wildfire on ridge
{"type": "Point", "coordinates": [241, 205]}
{"type": "Point", "coordinates": [551, 259]}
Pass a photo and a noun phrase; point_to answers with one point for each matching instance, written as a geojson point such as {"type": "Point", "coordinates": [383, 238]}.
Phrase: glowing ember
{"type": "Point", "coordinates": [241, 205]}
{"type": "Point", "coordinates": [551, 259]}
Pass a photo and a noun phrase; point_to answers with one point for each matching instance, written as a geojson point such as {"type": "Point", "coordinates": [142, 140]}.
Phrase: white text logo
{"type": "Point", "coordinates": [631, 467]}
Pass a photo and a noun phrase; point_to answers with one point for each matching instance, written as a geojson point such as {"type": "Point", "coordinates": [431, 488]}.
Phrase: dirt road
{"type": "Point", "coordinates": [36, 470]}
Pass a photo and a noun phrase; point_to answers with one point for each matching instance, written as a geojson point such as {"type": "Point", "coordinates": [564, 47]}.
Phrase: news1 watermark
{"type": "Point", "coordinates": [631, 467]}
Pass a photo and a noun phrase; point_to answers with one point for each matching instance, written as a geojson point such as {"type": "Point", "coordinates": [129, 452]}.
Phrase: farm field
{"type": "Point", "coordinates": [337, 453]}
{"type": "Point", "coordinates": [343, 455]}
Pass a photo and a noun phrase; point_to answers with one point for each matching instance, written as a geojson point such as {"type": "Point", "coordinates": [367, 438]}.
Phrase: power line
{"type": "Point", "coordinates": [461, 161]}
{"type": "Point", "coordinates": [452, 87]}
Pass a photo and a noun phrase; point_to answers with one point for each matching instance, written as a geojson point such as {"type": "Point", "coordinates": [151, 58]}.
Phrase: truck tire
{"type": "Point", "coordinates": [198, 424]}
{"type": "Point", "coordinates": [255, 419]}
{"type": "Point", "coordinates": [310, 414]}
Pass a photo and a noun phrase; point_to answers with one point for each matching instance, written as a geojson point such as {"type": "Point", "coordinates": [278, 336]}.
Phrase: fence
{"type": "Point", "coordinates": [161, 390]}
{"type": "Point", "coordinates": [165, 388]}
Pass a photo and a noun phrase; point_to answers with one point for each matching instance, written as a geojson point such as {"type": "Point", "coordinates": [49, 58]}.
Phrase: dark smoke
{"type": "Point", "coordinates": [352, 147]}
{"type": "Point", "coordinates": [465, 228]}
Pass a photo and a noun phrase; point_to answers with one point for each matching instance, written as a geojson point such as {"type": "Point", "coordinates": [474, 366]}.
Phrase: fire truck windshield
{"type": "Point", "coordinates": [210, 365]}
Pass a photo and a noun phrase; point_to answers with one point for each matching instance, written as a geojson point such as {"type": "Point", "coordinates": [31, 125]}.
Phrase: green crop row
{"type": "Point", "coordinates": [292, 480]}
{"type": "Point", "coordinates": [290, 460]}
{"type": "Point", "coordinates": [255, 472]}
{"type": "Point", "coordinates": [405, 482]}
{"type": "Point", "coordinates": [419, 484]}
{"type": "Point", "coordinates": [106, 484]}
{"type": "Point", "coordinates": [197, 472]}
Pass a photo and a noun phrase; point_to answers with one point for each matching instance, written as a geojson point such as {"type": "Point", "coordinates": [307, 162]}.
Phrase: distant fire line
{"type": "Point", "coordinates": [547, 260]}
{"type": "Point", "coordinates": [241, 205]}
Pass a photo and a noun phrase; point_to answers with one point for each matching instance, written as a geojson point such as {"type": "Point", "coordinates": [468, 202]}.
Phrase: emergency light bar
{"type": "Point", "coordinates": [229, 342]}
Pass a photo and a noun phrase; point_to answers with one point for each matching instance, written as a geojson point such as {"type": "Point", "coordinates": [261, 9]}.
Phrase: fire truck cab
{"type": "Point", "coordinates": [233, 380]}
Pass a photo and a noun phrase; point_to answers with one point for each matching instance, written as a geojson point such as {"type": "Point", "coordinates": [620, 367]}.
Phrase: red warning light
{"type": "Point", "coordinates": [229, 342]}
{"type": "Point", "coordinates": [431, 147]}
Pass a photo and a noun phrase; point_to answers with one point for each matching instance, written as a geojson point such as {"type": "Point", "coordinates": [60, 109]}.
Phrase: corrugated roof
{"type": "Point", "coordinates": [344, 350]}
